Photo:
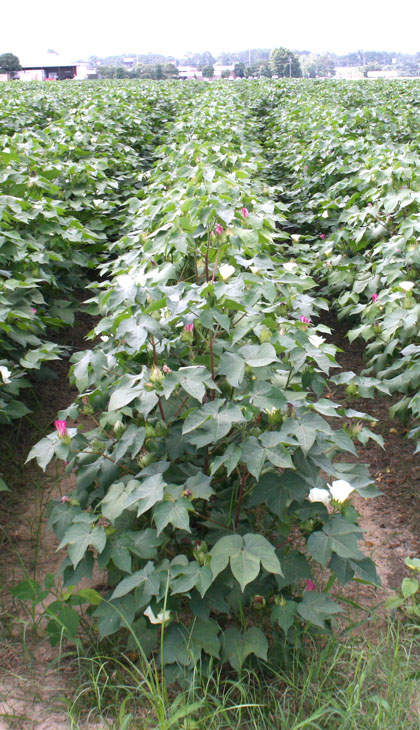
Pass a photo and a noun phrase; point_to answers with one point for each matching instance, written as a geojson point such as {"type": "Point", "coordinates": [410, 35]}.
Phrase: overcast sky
{"type": "Point", "coordinates": [82, 28]}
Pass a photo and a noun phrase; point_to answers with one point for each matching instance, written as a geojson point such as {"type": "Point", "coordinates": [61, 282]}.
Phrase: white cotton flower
{"type": "Point", "coordinates": [104, 338]}
{"type": "Point", "coordinates": [162, 617]}
{"type": "Point", "coordinates": [406, 285]}
{"type": "Point", "coordinates": [290, 266]}
{"type": "Point", "coordinates": [319, 495]}
{"type": "Point", "coordinates": [5, 372]}
{"type": "Point", "coordinates": [315, 340]}
{"type": "Point", "coordinates": [340, 490]}
{"type": "Point", "coordinates": [254, 269]}
{"type": "Point", "coordinates": [226, 270]}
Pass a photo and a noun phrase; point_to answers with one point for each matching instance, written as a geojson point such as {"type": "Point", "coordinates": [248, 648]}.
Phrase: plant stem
{"type": "Point", "coordinates": [244, 477]}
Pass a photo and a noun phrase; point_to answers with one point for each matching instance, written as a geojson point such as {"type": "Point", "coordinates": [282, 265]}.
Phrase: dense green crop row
{"type": "Point", "coordinates": [221, 221]}
{"type": "Point", "coordinates": [70, 157]}
{"type": "Point", "coordinates": [195, 488]}
{"type": "Point", "coordinates": [347, 157]}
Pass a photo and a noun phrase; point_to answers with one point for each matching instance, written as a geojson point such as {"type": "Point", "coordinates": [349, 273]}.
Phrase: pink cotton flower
{"type": "Point", "coordinates": [34, 310]}
{"type": "Point", "coordinates": [61, 427]}
{"type": "Point", "coordinates": [218, 229]}
{"type": "Point", "coordinates": [65, 499]}
{"type": "Point", "coordinates": [245, 212]}
{"type": "Point", "coordinates": [304, 319]}
{"type": "Point", "coordinates": [374, 297]}
{"type": "Point", "coordinates": [189, 327]}
{"type": "Point", "coordinates": [310, 586]}
{"type": "Point", "coordinates": [166, 369]}
{"type": "Point", "coordinates": [322, 236]}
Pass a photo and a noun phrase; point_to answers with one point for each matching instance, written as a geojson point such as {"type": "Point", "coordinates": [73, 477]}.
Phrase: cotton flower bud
{"type": "Point", "coordinates": [145, 460]}
{"type": "Point", "coordinates": [275, 416]}
{"type": "Point", "coordinates": [187, 334]}
{"type": "Point", "coordinates": [201, 553]}
{"type": "Point", "coordinates": [150, 431]}
{"type": "Point", "coordinates": [119, 429]}
{"type": "Point", "coordinates": [156, 375]}
{"type": "Point", "coordinates": [352, 390]}
{"type": "Point", "coordinates": [265, 335]}
{"type": "Point", "coordinates": [258, 603]}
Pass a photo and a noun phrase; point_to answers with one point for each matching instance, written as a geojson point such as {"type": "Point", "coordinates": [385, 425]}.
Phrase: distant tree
{"type": "Point", "coordinates": [285, 63]}
{"type": "Point", "coordinates": [251, 71]}
{"type": "Point", "coordinates": [239, 70]}
{"type": "Point", "coordinates": [264, 69]}
{"type": "Point", "coordinates": [208, 71]}
{"type": "Point", "coordinates": [170, 71]}
{"type": "Point", "coordinates": [225, 73]}
{"type": "Point", "coordinates": [206, 59]}
{"type": "Point", "coordinates": [9, 64]}
{"type": "Point", "coordinates": [120, 73]}
{"type": "Point", "coordinates": [315, 66]}
{"type": "Point", "coordinates": [159, 75]}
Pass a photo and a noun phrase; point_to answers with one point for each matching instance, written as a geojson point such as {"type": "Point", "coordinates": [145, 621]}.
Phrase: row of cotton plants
{"type": "Point", "coordinates": [351, 159]}
{"type": "Point", "coordinates": [200, 487]}
{"type": "Point", "coordinates": [70, 157]}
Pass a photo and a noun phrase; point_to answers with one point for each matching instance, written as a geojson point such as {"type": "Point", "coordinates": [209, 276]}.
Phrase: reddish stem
{"type": "Point", "coordinates": [162, 412]}
{"type": "Point", "coordinates": [215, 268]}
{"type": "Point", "coordinates": [244, 477]}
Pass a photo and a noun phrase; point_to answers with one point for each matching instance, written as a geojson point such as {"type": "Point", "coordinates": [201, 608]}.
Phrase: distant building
{"type": "Point", "coordinates": [49, 67]}
{"type": "Point", "coordinates": [189, 72]}
{"type": "Point", "coordinates": [220, 67]}
{"type": "Point", "coordinates": [129, 62]}
{"type": "Point", "coordinates": [391, 74]}
{"type": "Point", "coordinates": [348, 72]}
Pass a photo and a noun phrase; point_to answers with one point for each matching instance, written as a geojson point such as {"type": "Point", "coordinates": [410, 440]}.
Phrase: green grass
{"type": "Point", "coordinates": [358, 685]}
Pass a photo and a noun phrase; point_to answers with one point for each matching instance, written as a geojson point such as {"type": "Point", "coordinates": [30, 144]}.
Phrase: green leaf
{"type": "Point", "coordinates": [233, 367]}
{"type": "Point", "coordinates": [257, 356]}
{"type": "Point", "coordinates": [320, 548]}
{"type": "Point", "coordinates": [124, 394]}
{"type": "Point", "coordinates": [245, 555]}
{"type": "Point", "coordinates": [174, 513]}
{"type": "Point", "coordinates": [221, 552]}
{"type": "Point", "coordinates": [43, 451]}
{"type": "Point", "coordinates": [90, 595]}
{"type": "Point", "coordinates": [206, 635]}
{"type": "Point", "coordinates": [147, 578]}
{"type": "Point", "coordinates": [199, 486]}
{"type": "Point", "coordinates": [237, 645]}
{"type": "Point", "coordinates": [3, 486]}
{"type": "Point", "coordinates": [245, 567]}
{"type": "Point", "coordinates": [409, 587]}
{"type": "Point", "coordinates": [316, 608]}
{"type": "Point", "coordinates": [284, 615]}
